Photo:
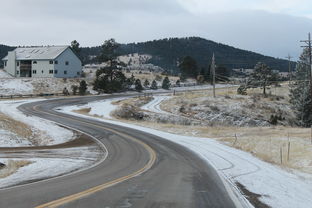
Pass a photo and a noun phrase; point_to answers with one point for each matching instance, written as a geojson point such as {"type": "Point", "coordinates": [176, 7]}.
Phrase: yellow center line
{"type": "Point", "coordinates": [101, 187]}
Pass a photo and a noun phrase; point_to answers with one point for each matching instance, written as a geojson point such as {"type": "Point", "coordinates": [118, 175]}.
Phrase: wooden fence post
{"type": "Point", "coordinates": [281, 154]}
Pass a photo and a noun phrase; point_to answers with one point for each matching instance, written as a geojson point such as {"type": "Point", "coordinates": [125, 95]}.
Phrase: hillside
{"type": "Point", "coordinates": [167, 52]}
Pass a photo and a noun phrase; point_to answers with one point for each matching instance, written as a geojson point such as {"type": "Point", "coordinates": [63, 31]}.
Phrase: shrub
{"type": "Point", "coordinates": [82, 87]}
{"type": "Point", "coordinates": [154, 85]}
{"type": "Point", "coordinates": [74, 89]}
{"type": "Point", "coordinates": [242, 90]}
{"type": "Point", "coordinates": [166, 83]}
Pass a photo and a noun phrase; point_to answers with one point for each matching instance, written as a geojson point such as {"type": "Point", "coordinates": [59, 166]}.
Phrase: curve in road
{"type": "Point", "coordinates": [176, 177]}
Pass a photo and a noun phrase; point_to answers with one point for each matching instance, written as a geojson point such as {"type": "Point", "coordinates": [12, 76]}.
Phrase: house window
{"type": "Point", "coordinates": [65, 72]}
{"type": "Point", "coordinates": [34, 71]}
{"type": "Point", "coordinates": [41, 71]}
{"type": "Point", "coordinates": [17, 72]}
{"type": "Point", "coordinates": [55, 71]}
{"type": "Point", "coordinates": [5, 63]}
{"type": "Point", "coordinates": [34, 62]}
{"type": "Point", "coordinates": [50, 71]}
{"type": "Point", "coordinates": [55, 62]}
{"type": "Point", "coordinates": [17, 63]}
{"type": "Point", "coordinates": [51, 62]}
{"type": "Point", "coordinates": [66, 63]}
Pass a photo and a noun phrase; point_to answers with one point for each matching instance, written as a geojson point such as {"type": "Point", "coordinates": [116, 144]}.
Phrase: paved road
{"type": "Point", "coordinates": [145, 171]}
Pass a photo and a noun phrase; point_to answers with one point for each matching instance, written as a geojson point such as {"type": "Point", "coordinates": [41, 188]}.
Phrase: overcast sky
{"type": "Point", "coordinates": [270, 27]}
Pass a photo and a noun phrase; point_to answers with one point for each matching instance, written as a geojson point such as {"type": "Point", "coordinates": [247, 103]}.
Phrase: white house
{"type": "Point", "coordinates": [47, 61]}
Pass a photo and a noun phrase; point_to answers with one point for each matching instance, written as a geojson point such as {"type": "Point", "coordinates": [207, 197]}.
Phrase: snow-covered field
{"type": "Point", "coordinates": [279, 188]}
{"type": "Point", "coordinates": [48, 163]}
{"type": "Point", "coordinates": [47, 133]}
{"type": "Point", "coordinates": [40, 164]}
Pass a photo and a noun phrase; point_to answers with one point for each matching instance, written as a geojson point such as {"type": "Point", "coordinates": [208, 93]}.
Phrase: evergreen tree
{"type": "Point", "coordinates": [109, 52]}
{"type": "Point", "coordinates": [262, 76]}
{"type": "Point", "coordinates": [138, 85]}
{"type": "Point", "coordinates": [300, 92]}
{"type": "Point", "coordinates": [154, 85]}
{"type": "Point", "coordinates": [82, 87]}
{"type": "Point", "coordinates": [109, 81]}
{"type": "Point", "coordinates": [146, 83]}
{"type": "Point", "coordinates": [188, 68]}
{"type": "Point", "coordinates": [166, 83]}
{"type": "Point", "coordinates": [75, 46]}
{"type": "Point", "coordinates": [110, 78]}
{"type": "Point", "coordinates": [74, 89]}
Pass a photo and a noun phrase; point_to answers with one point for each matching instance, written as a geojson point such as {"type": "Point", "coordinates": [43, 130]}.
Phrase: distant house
{"type": "Point", "coordinates": [48, 61]}
{"type": "Point", "coordinates": [244, 71]}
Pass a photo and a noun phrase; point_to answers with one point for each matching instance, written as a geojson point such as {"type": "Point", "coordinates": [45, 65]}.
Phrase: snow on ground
{"type": "Point", "coordinates": [15, 86]}
{"type": "Point", "coordinates": [154, 106]}
{"type": "Point", "coordinates": [98, 110]}
{"type": "Point", "coordinates": [50, 133]}
{"type": "Point", "coordinates": [9, 139]}
{"type": "Point", "coordinates": [3, 74]}
{"type": "Point", "coordinates": [278, 188]}
{"type": "Point", "coordinates": [45, 163]}
{"type": "Point", "coordinates": [42, 168]}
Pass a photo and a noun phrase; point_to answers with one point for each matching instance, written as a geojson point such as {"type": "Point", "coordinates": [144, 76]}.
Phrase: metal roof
{"type": "Point", "coordinates": [38, 53]}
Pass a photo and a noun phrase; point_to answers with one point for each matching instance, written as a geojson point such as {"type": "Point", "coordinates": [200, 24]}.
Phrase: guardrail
{"type": "Point", "coordinates": [30, 95]}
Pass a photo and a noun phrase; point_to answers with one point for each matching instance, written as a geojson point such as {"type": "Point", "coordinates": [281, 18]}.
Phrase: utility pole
{"type": "Point", "coordinates": [213, 69]}
{"type": "Point", "coordinates": [309, 46]}
{"type": "Point", "coordinates": [289, 67]}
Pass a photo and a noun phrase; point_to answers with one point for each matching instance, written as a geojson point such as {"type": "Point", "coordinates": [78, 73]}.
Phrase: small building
{"type": "Point", "coordinates": [47, 62]}
{"type": "Point", "coordinates": [244, 71]}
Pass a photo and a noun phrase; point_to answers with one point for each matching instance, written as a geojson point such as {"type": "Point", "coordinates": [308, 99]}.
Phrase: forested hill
{"type": "Point", "coordinates": [167, 52]}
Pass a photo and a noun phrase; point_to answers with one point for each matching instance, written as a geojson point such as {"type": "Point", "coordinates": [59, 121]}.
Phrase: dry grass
{"type": "Point", "coordinates": [84, 111]}
{"type": "Point", "coordinates": [265, 143]}
{"type": "Point", "coordinates": [22, 130]}
{"type": "Point", "coordinates": [136, 101]}
{"type": "Point", "coordinates": [16, 127]}
{"type": "Point", "coordinates": [12, 166]}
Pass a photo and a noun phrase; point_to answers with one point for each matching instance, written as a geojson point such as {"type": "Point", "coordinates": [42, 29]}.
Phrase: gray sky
{"type": "Point", "coordinates": [271, 27]}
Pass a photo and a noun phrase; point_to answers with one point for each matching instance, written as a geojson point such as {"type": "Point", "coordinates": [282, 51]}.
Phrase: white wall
{"type": "Point", "coordinates": [11, 63]}
{"type": "Point", "coordinates": [72, 68]}
{"type": "Point", "coordinates": [42, 65]}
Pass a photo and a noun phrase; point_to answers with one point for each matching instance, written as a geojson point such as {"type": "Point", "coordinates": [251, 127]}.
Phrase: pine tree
{"type": "Point", "coordinates": [82, 87]}
{"type": "Point", "coordinates": [300, 92]}
{"type": "Point", "coordinates": [74, 89]}
{"type": "Point", "coordinates": [262, 76]}
{"type": "Point", "coordinates": [138, 85]}
{"type": "Point", "coordinates": [188, 68]}
{"type": "Point", "coordinates": [75, 46]}
{"type": "Point", "coordinates": [154, 85]}
{"type": "Point", "coordinates": [146, 83]}
{"type": "Point", "coordinates": [166, 83]}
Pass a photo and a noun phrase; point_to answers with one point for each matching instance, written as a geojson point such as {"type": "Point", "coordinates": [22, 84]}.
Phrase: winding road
{"type": "Point", "coordinates": [138, 170]}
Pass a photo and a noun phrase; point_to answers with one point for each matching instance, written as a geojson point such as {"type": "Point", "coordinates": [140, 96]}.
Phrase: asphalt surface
{"type": "Point", "coordinates": [177, 177]}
